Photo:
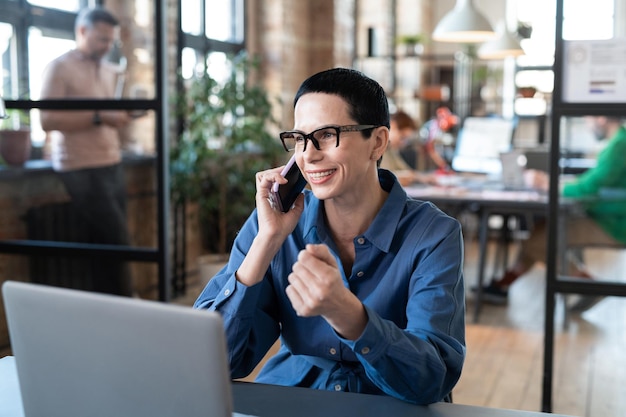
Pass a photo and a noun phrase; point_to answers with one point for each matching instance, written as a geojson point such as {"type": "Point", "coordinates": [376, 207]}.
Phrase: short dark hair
{"type": "Point", "coordinates": [404, 120]}
{"type": "Point", "coordinates": [367, 101]}
{"type": "Point", "coordinates": [89, 17]}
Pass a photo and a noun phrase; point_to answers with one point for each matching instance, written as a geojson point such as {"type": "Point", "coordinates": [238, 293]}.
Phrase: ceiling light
{"type": "Point", "coordinates": [464, 24]}
{"type": "Point", "coordinates": [504, 45]}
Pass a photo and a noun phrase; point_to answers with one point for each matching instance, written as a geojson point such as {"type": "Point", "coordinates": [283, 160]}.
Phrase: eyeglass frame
{"type": "Point", "coordinates": [309, 136]}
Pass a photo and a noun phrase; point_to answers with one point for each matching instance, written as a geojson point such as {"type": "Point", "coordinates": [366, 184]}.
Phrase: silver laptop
{"type": "Point", "coordinates": [513, 166]}
{"type": "Point", "coordinates": [84, 354]}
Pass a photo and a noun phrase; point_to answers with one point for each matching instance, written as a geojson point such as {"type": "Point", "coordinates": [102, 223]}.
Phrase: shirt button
{"type": "Point", "coordinates": [365, 350]}
{"type": "Point", "coordinates": [360, 241]}
{"type": "Point", "coordinates": [227, 292]}
{"type": "Point", "coordinates": [337, 387]}
{"type": "Point", "coordinates": [360, 274]}
{"type": "Point", "coordinates": [333, 351]}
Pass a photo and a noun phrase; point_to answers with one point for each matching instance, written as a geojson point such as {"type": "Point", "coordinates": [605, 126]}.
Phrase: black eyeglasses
{"type": "Point", "coordinates": [322, 138]}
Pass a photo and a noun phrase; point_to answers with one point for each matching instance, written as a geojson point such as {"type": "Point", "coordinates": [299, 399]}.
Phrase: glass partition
{"type": "Point", "coordinates": [592, 184]}
{"type": "Point", "coordinates": [39, 216]}
{"type": "Point", "coordinates": [79, 171]}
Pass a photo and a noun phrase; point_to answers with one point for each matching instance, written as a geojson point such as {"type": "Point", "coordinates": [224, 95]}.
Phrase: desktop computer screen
{"type": "Point", "coordinates": [480, 143]}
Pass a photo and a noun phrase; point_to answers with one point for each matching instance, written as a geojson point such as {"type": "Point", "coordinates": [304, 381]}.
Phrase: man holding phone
{"type": "Point", "coordinates": [363, 285]}
{"type": "Point", "coordinates": [85, 145]}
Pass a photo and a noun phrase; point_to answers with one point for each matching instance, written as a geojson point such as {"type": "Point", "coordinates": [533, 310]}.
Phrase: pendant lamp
{"type": "Point", "coordinates": [504, 45]}
{"type": "Point", "coordinates": [464, 24]}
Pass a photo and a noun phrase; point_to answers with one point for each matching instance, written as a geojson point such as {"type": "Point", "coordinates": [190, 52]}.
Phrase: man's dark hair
{"type": "Point", "coordinates": [89, 17]}
{"type": "Point", "coordinates": [366, 98]}
{"type": "Point", "coordinates": [404, 120]}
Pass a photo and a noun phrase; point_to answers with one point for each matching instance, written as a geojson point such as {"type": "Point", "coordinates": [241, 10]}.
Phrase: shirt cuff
{"type": "Point", "coordinates": [372, 343]}
{"type": "Point", "coordinates": [236, 298]}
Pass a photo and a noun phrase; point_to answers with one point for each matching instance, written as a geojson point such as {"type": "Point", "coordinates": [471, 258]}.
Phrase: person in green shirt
{"type": "Point", "coordinates": [603, 192]}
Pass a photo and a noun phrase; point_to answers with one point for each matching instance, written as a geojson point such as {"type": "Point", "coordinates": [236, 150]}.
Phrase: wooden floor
{"type": "Point", "coordinates": [504, 361]}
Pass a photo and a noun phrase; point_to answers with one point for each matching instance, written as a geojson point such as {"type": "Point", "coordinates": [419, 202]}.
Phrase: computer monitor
{"type": "Point", "coordinates": [479, 144]}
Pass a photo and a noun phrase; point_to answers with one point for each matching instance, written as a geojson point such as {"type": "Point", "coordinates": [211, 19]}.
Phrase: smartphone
{"type": "Point", "coordinates": [138, 92]}
{"type": "Point", "coordinates": [283, 195]}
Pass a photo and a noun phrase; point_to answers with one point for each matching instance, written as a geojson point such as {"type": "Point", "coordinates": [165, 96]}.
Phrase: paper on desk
{"type": "Point", "coordinates": [10, 397]}
{"type": "Point", "coordinates": [433, 191]}
{"type": "Point", "coordinates": [505, 195]}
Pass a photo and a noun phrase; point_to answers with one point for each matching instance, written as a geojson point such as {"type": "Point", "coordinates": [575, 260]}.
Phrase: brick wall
{"type": "Point", "coordinates": [296, 39]}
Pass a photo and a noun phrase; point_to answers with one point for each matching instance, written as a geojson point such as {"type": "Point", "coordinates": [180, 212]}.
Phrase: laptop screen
{"type": "Point", "coordinates": [87, 354]}
{"type": "Point", "coordinates": [480, 143]}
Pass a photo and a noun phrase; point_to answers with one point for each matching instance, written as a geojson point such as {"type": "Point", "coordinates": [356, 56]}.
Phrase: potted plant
{"type": "Point", "coordinates": [414, 43]}
{"type": "Point", "coordinates": [225, 141]}
{"type": "Point", "coordinates": [15, 143]}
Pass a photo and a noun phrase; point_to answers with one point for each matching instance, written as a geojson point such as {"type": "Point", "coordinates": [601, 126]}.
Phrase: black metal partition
{"type": "Point", "coordinates": [556, 284]}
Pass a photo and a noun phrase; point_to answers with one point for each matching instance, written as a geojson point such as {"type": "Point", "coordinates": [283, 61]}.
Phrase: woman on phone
{"type": "Point", "coordinates": [362, 284]}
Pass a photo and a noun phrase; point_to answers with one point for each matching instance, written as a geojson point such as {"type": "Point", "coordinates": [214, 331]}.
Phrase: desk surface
{"type": "Point", "coordinates": [275, 401]}
{"type": "Point", "coordinates": [487, 197]}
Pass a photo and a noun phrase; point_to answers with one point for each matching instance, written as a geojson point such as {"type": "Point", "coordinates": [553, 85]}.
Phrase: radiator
{"type": "Point", "coordinates": [61, 223]}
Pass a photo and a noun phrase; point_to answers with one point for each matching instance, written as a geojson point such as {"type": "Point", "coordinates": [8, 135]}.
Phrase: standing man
{"type": "Point", "coordinates": [85, 145]}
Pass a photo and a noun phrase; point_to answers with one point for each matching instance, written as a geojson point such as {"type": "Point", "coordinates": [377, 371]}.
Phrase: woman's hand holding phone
{"type": "Point", "coordinates": [282, 196]}
{"type": "Point", "coordinates": [274, 225]}
{"type": "Point", "coordinates": [273, 221]}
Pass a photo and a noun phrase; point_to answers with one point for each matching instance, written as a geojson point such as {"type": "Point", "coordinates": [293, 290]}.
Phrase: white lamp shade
{"type": "Point", "coordinates": [464, 24]}
{"type": "Point", "coordinates": [504, 45]}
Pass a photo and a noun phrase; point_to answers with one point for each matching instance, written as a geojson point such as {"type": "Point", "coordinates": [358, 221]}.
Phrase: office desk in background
{"type": "Point", "coordinates": [276, 401]}
{"type": "Point", "coordinates": [487, 202]}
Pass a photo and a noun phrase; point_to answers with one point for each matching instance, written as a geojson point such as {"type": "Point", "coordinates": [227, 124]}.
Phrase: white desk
{"type": "Point", "coordinates": [10, 397]}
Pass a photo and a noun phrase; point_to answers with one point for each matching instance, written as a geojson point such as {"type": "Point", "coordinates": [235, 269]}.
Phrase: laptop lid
{"type": "Point", "coordinates": [513, 166]}
{"type": "Point", "coordinates": [480, 143]}
{"type": "Point", "coordinates": [538, 159]}
{"type": "Point", "coordinates": [86, 354]}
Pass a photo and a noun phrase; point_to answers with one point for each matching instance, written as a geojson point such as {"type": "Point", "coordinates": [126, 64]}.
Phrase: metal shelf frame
{"type": "Point", "coordinates": [556, 284]}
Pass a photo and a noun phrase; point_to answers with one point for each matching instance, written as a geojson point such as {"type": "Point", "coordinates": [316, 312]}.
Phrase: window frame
{"type": "Point", "coordinates": [202, 44]}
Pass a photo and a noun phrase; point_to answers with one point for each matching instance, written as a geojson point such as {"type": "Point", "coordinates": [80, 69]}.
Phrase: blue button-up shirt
{"type": "Point", "coordinates": [407, 272]}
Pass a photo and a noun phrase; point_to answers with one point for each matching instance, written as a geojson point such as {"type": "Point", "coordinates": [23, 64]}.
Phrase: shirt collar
{"type": "Point", "coordinates": [382, 229]}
